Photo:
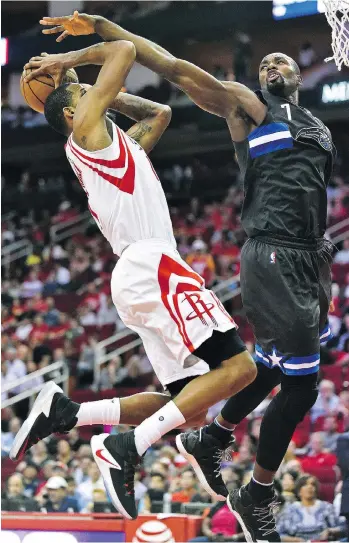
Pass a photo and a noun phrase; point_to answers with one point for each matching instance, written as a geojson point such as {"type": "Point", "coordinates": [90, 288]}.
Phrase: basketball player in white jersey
{"type": "Point", "coordinates": [156, 293]}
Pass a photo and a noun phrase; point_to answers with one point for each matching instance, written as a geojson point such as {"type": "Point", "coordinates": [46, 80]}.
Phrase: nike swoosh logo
{"type": "Point", "coordinates": [100, 455]}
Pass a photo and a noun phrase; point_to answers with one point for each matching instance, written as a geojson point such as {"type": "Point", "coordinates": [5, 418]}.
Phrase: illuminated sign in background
{"type": "Point", "coordinates": [287, 9]}
{"type": "Point", "coordinates": [335, 93]}
{"type": "Point", "coordinates": [4, 51]}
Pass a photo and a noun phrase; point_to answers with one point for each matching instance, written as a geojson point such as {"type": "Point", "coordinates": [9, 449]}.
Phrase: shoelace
{"type": "Point", "coordinates": [265, 516]}
{"type": "Point", "coordinates": [222, 455]}
{"type": "Point", "coordinates": [130, 468]}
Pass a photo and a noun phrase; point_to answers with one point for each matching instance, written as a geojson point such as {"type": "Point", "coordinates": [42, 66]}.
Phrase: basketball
{"type": "Point", "coordinates": [37, 90]}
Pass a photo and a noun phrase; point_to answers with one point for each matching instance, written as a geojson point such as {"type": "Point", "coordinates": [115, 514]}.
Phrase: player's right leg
{"type": "Point", "coordinates": [117, 456]}
{"type": "Point", "coordinates": [53, 412]}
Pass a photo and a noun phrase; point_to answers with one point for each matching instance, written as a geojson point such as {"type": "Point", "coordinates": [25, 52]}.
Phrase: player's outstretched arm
{"type": "Point", "coordinates": [116, 58]}
{"type": "Point", "coordinates": [153, 118]}
{"type": "Point", "coordinates": [205, 90]}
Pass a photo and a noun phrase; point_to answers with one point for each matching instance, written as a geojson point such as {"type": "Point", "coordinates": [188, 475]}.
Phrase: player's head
{"type": "Point", "coordinates": [279, 74]}
{"type": "Point", "coordinates": [60, 106]}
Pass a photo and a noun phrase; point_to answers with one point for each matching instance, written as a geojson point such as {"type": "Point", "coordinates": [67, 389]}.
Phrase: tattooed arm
{"type": "Point", "coordinates": [153, 118]}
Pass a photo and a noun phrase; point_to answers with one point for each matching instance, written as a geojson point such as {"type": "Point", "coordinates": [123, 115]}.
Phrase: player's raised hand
{"type": "Point", "coordinates": [78, 24]}
{"type": "Point", "coordinates": [52, 65]}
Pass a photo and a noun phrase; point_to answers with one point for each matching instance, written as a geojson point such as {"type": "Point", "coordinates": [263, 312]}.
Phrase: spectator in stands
{"type": "Point", "coordinates": [86, 363]}
{"type": "Point", "coordinates": [38, 454]}
{"type": "Point", "coordinates": [32, 285]}
{"type": "Point", "coordinates": [30, 479]}
{"type": "Point", "coordinates": [307, 55]}
{"type": "Point", "coordinates": [288, 484]}
{"type": "Point", "coordinates": [14, 499]}
{"type": "Point", "coordinates": [39, 331]}
{"type": "Point", "coordinates": [316, 455]}
{"type": "Point", "coordinates": [61, 328]}
{"type": "Point", "coordinates": [81, 472]}
{"type": "Point", "coordinates": [187, 486]}
{"type": "Point", "coordinates": [144, 364]}
{"type": "Point", "coordinates": [201, 261]}
{"type": "Point", "coordinates": [92, 298]}
{"type": "Point", "coordinates": [107, 313]}
{"type": "Point", "coordinates": [218, 525]}
{"type": "Point", "coordinates": [309, 518]}
{"type": "Point", "coordinates": [16, 368]}
{"type": "Point", "coordinates": [244, 458]}
{"type": "Point", "coordinates": [40, 304]}
{"type": "Point", "coordinates": [64, 453]}
{"type": "Point", "coordinates": [75, 330]}
{"type": "Point", "coordinates": [327, 402]}
{"type": "Point", "coordinates": [58, 500]}
{"type": "Point", "coordinates": [330, 434]}
{"type": "Point", "coordinates": [7, 438]}
{"type": "Point", "coordinates": [51, 316]}
{"type": "Point", "coordinates": [85, 489]}
{"type": "Point", "coordinates": [75, 440]}
{"type": "Point", "coordinates": [155, 493]}
{"type": "Point", "coordinates": [342, 257]}
{"type": "Point", "coordinates": [132, 373]}
{"type": "Point", "coordinates": [71, 488]}
{"type": "Point", "coordinates": [87, 317]}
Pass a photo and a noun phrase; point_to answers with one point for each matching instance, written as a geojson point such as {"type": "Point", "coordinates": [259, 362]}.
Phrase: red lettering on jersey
{"type": "Point", "coordinates": [126, 183]}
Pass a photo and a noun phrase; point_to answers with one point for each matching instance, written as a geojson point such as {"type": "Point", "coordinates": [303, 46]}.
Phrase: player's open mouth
{"type": "Point", "coordinates": [273, 75]}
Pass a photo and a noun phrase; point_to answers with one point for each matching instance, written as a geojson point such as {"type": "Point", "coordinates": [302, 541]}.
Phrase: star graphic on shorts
{"type": "Point", "coordinates": [275, 360]}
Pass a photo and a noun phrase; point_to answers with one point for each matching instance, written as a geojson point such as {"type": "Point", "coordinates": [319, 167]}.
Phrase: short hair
{"type": "Point", "coordinates": [302, 481]}
{"type": "Point", "coordinates": [55, 102]}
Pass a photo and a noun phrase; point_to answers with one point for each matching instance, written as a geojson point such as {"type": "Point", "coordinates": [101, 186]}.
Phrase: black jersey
{"type": "Point", "coordinates": [286, 164]}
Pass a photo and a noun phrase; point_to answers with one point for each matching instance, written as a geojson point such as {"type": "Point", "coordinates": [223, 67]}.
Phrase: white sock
{"type": "Point", "coordinates": [100, 412]}
{"type": "Point", "coordinates": [159, 424]}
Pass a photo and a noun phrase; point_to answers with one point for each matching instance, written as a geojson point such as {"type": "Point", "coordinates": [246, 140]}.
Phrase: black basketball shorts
{"type": "Point", "coordinates": [286, 292]}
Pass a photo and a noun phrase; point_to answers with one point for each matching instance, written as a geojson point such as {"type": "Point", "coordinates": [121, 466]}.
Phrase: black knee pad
{"type": "Point", "coordinates": [298, 394]}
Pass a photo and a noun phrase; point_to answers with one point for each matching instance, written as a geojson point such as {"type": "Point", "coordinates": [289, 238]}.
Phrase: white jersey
{"type": "Point", "coordinates": [124, 193]}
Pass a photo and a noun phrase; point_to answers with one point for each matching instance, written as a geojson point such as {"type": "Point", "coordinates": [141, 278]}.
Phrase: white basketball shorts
{"type": "Point", "coordinates": [162, 299]}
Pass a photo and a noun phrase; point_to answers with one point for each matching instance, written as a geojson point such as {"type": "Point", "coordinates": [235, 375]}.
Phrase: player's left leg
{"type": "Point", "coordinates": [295, 340]}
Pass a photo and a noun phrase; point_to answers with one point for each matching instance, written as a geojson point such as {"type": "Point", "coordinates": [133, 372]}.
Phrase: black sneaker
{"type": "Point", "coordinates": [117, 459]}
{"type": "Point", "coordinates": [205, 453]}
{"type": "Point", "coordinates": [51, 413]}
{"type": "Point", "coordinates": [256, 519]}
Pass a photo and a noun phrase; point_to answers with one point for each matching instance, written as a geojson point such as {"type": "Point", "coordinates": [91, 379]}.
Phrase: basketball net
{"type": "Point", "coordinates": [337, 15]}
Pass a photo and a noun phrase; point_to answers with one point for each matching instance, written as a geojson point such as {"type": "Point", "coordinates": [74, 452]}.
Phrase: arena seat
{"type": "Point", "coordinates": [326, 492]}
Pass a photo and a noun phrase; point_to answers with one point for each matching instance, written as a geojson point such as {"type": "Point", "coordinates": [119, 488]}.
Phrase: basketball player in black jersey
{"type": "Point", "coordinates": [285, 155]}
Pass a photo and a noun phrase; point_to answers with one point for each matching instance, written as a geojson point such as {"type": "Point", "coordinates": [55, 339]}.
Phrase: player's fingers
{"type": "Point", "coordinates": [54, 30]}
{"type": "Point", "coordinates": [49, 21]}
{"type": "Point", "coordinates": [33, 64]}
{"type": "Point", "coordinates": [33, 74]}
{"type": "Point", "coordinates": [64, 35]}
{"type": "Point", "coordinates": [44, 54]}
{"type": "Point", "coordinates": [35, 59]}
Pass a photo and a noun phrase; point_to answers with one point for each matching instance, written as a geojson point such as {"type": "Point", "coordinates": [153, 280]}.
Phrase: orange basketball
{"type": "Point", "coordinates": [37, 90]}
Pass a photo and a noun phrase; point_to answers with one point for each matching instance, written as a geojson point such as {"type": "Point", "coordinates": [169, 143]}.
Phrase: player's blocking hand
{"type": "Point", "coordinates": [52, 65]}
{"type": "Point", "coordinates": [78, 24]}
